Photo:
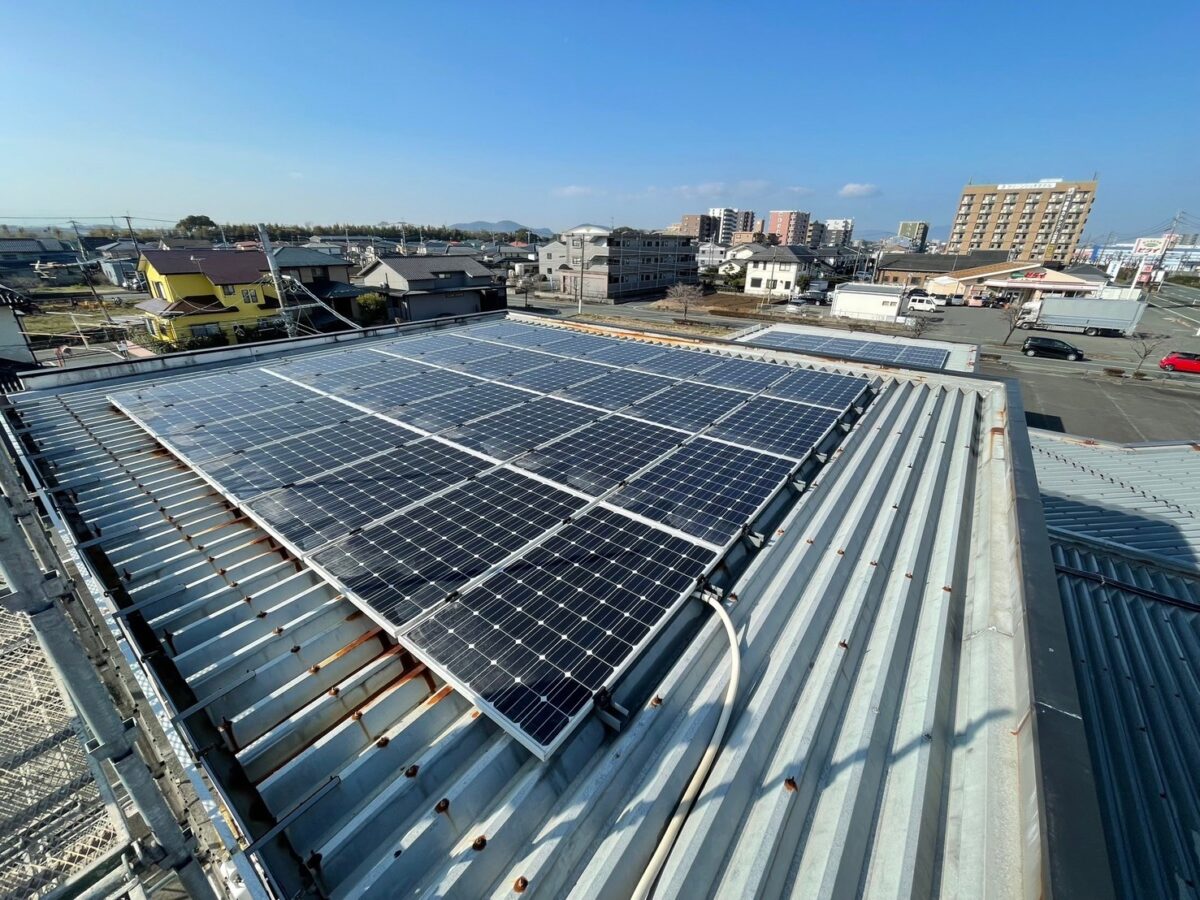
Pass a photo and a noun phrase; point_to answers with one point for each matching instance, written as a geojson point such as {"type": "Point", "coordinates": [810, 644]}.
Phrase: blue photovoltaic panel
{"type": "Point", "coordinates": [616, 389]}
{"type": "Point", "coordinates": [444, 411]}
{"type": "Point", "coordinates": [679, 363]}
{"type": "Point", "coordinates": [463, 356]}
{"type": "Point", "coordinates": [885, 352]}
{"type": "Point", "coordinates": [597, 458]}
{"type": "Point", "coordinates": [536, 641]}
{"type": "Point", "coordinates": [746, 374]}
{"type": "Point", "coordinates": [559, 374]}
{"type": "Point", "coordinates": [624, 353]}
{"type": "Point", "coordinates": [501, 367]}
{"type": "Point", "coordinates": [506, 434]}
{"type": "Point", "coordinates": [327, 507]}
{"type": "Point", "coordinates": [382, 369]}
{"type": "Point", "coordinates": [390, 396]}
{"type": "Point", "coordinates": [706, 488]}
{"type": "Point", "coordinates": [690, 406]}
{"type": "Point", "coordinates": [820, 388]}
{"type": "Point", "coordinates": [790, 429]}
{"type": "Point", "coordinates": [307, 452]}
{"type": "Point", "coordinates": [409, 563]}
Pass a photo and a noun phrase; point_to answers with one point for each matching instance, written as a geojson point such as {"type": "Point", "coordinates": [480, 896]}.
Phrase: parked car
{"type": "Point", "coordinates": [918, 292]}
{"type": "Point", "coordinates": [818, 297]}
{"type": "Point", "coordinates": [1177, 361]}
{"type": "Point", "coordinates": [1040, 346]}
{"type": "Point", "coordinates": [922, 304]}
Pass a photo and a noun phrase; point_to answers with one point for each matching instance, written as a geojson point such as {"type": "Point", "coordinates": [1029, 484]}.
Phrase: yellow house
{"type": "Point", "coordinates": [218, 295]}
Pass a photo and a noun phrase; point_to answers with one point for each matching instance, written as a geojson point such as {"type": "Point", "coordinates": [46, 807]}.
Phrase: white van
{"type": "Point", "coordinates": [923, 304]}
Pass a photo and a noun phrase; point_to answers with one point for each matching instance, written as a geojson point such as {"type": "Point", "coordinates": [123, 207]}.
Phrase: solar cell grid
{"type": "Point", "coordinates": [380, 369]}
{"type": "Point", "coordinates": [328, 506]}
{"type": "Point", "coordinates": [307, 453]}
{"type": "Point", "coordinates": [216, 439]}
{"type": "Point", "coordinates": [414, 347]}
{"type": "Point", "coordinates": [176, 415]}
{"type": "Point", "coordinates": [624, 353]}
{"type": "Point", "coordinates": [526, 337]}
{"type": "Point", "coordinates": [678, 363]}
{"type": "Point", "coordinates": [850, 348]}
{"type": "Point", "coordinates": [791, 429]}
{"type": "Point", "coordinates": [510, 363]}
{"type": "Point", "coordinates": [597, 458]}
{"type": "Point", "coordinates": [560, 373]}
{"type": "Point", "coordinates": [465, 355]}
{"type": "Point", "coordinates": [579, 345]}
{"type": "Point", "coordinates": [616, 389]}
{"type": "Point", "coordinates": [537, 640]}
{"type": "Point", "coordinates": [391, 396]}
{"type": "Point", "coordinates": [505, 434]}
{"type": "Point", "coordinates": [746, 374]}
{"type": "Point", "coordinates": [705, 488]}
{"type": "Point", "coordinates": [820, 388]}
{"type": "Point", "coordinates": [690, 406]}
{"type": "Point", "coordinates": [302, 367]}
{"type": "Point", "coordinates": [458, 407]}
{"type": "Point", "coordinates": [409, 563]}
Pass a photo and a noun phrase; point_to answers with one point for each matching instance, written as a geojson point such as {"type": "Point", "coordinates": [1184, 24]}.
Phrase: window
{"type": "Point", "coordinates": [227, 290]}
{"type": "Point", "coordinates": [249, 296]}
{"type": "Point", "coordinates": [158, 290]}
{"type": "Point", "coordinates": [756, 282]}
{"type": "Point", "coordinates": [205, 330]}
{"type": "Point", "coordinates": [787, 285]}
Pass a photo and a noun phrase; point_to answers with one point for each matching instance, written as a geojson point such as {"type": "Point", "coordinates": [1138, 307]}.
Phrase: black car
{"type": "Point", "coordinates": [1043, 346]}
{"type": "Point", "coordinates": [918, 292]}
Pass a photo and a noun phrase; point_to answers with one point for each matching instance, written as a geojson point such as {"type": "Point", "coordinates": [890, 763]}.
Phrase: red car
{"type": "Point", "coordinates": [1180, 362]}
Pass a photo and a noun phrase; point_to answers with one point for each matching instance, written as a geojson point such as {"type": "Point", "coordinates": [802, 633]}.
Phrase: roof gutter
{"type": "Point", "coordinates": [1072, 848]}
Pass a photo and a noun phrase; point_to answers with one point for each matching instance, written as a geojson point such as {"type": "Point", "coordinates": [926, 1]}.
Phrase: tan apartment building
{"type": "Point", "coordinates": [699, 226]}
{"type": "Point", "coordinates": [791, 225]}
{"type": "Point", "coordinates": [1040, 220]}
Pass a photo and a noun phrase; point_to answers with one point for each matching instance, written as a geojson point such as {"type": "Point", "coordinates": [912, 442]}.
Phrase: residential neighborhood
{"type": "Point", "coordinates": [490, 452]}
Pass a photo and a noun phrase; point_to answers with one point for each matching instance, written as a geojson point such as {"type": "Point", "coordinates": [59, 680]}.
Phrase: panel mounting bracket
{"type": "Point", "coordinates": [611, 713]}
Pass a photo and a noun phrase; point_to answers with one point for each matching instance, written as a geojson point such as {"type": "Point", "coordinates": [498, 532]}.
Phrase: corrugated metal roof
{"type": "Point", "coordinates": [1141, 499]}
{"type": "Point", "coordinates": [881, 742]}
{"type": "Point", "coordinates": [1134, 630]}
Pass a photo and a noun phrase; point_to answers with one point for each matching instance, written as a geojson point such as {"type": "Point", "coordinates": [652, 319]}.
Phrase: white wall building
{"type": "Point", "coordinates": [730, 220]}
{"type": "Point", "coordinates": [838, 232]}
{"type": "Point", "coordinates": [710, 255]}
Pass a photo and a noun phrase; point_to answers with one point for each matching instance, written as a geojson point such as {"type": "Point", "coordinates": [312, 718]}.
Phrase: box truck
{"type": "Point", "coordinates": [1084, 315]}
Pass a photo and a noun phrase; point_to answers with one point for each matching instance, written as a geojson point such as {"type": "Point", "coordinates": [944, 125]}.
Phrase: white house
{"type": "Point", "coordinates": [773, 271]}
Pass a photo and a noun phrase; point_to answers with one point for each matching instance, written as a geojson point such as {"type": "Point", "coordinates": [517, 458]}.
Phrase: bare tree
{"type": "Point", "coordinates": [1012, 315]}
{"type": "Point", "coordinates": [918, 325]}
{"type": "Point", "coordinates": [1144, 345]}
{"type": "Point", "coordinates": [527, 285]}
{"type": "Point", "coordinates": [687, 294]}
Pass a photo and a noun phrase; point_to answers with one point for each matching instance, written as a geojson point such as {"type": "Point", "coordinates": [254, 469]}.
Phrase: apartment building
{"type": "Point", "coordinates": [699, 226]}
{"type": "Point", "coordinates": [731, 220]}
{"type": "Point", "coordinates": [611, 266]}
{"type": "Point", "coordinates": [790, 225]}
{"type": "Point", "coordinates": [710, 255]}
{"type": "Point", "coordinates": [838, 233]}
{"type": "Point", "coordinates": [916, 232]}
{"type": "Point", "coordinates": [1042, 220]}
{"type": "Point", "coordinates": [814, 235]}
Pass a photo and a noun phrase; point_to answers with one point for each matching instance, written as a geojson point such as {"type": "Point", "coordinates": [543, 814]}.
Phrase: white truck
{"type": "Point", "coordinates": [1084, 315]}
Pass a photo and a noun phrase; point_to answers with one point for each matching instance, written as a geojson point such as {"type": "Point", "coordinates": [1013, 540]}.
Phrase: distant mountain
{"type": "Point", "coordinates": [504, 225]}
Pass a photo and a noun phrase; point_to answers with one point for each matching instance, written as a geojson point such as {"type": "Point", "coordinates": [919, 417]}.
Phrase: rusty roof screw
{"type": "Point", "coordinates": [520, 884]}
{"type": "Point", "coordinates": [383, 742]}
{"type": "Point", "coordinates": [789, 784]}
{"type": "Point", "coordinates": [843, 645]}
{"type": "Point", "coordinates": [656, 701]}
{"type": "Point", "coordinates": [442, 806]}
{"type": "Point", "coordinates": [356, 715]}
{"type": "Point", "coordinates": [411, 771]}
{"type": "Point", "coordinates": [479, 843]}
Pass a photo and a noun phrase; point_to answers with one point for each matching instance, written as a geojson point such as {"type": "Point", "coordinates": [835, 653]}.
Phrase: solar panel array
{"type": "Point", "coordinates": [885, 352]}
{"type": "Point", "coordinates": [523, 506]}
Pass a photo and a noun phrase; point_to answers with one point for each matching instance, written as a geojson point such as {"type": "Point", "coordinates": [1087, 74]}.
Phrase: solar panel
{"type": "Point", "coordinates": [408, 564]}
{"type": "Point", "coordinates": [329, 505]}
{"type": "Point", "coordinates": [560, 373]}
{"type": "Point", "coordinates": [510, 363]}
{"type": "Point", "coordinates": [790, 429]}
{"type": "Point", "coordinates": [600, 456]}
{"type": "Point", "coordinates": [506, 434]}
{"type": "Point", "coordinates": [706, 488]}
{"type": "Point", "coordinates": [464, 355]}
{"type": "Point", "coordinates": [444, 411]}
{"type": "Point", "coordinates": [616, 389]}
{"type": "Point", "coordinates": [535, 642]}
{"type": "Point", "coordinates": [679, 363]}
{"type": "Point", "coordinates": [690, 406]}
{"type": "Point", "coordinates": [851, 348]}
{"type": "Point", "coordinates": [820, 388]}
{"type": "Point", "coordinates": [393, 395]}
{"type": "Point", "coordinates": [624, 353]}
{"type": "Point", "coordinates": [746, 374]}
{"type": "Point", "coordinates": [305, 453]}
{"type": "Point", "coordinates": [381, 369]}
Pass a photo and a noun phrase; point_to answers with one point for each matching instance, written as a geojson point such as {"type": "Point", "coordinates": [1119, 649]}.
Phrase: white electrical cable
{"type": "Point", "coordinates": [646, 884]}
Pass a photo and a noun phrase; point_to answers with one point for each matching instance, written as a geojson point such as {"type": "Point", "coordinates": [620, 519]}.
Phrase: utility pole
{"type": "Point", "coordinates": [87, 277]}
{"type": "Point", "coordinates": [288, 322]}
{"type": "Point", "coordinates": [133, 236]}
{"type": "Point", "coordinates": [1162, 253]}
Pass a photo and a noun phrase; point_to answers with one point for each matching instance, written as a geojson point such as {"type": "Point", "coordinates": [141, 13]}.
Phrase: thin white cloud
{"type": "Point", "coordinates": [800, 191]}
{"type": "Point", "coordinates": [704, 189]}
{"type": "Point", "coordinates": [854, 189]}
{"type": "Point", "coordinates": [752, 186]}
{"type": "Point", "coordinates": [573, 190]}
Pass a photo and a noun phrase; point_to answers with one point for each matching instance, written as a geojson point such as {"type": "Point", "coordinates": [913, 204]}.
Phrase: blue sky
{"type": "Point", "coordinates": [617, 113]}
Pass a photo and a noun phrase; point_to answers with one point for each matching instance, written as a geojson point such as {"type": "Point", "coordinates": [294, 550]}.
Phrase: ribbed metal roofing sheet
{"type": "Point", "coordinates": [1144, 499]}
{"type": "Point", "coordinates": [1135, 638]}
{"type": "Point", "coordinates": [880, 743]}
